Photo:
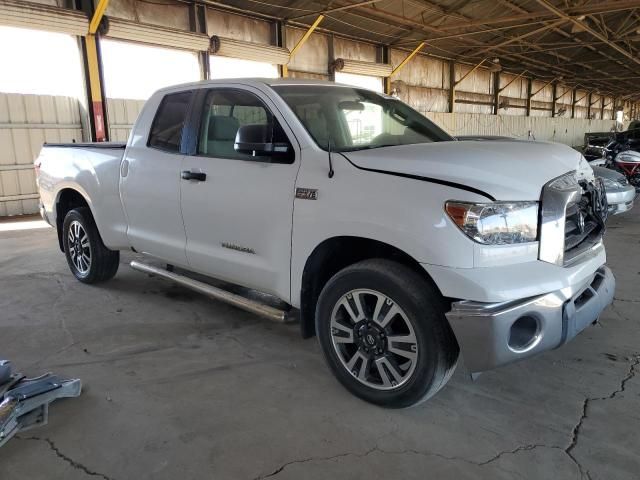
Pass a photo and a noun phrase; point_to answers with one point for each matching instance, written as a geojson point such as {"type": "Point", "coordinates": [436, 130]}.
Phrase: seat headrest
{"type": "Point", "coordinates": [223, 128]}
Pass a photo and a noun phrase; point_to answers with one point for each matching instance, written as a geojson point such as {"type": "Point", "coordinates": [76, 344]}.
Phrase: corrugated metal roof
{"type": "Point", "coordinates": [594, 44]}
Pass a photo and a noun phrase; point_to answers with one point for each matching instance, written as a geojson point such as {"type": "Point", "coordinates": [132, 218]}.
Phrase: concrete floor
{"type": "Point", "coordinates": [179, 386]}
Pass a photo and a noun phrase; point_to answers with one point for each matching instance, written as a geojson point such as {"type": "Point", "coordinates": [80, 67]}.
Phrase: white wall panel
{"type": "Point", "coordinates": [165, 14]}
{"type": "Point", "coordinates": [421, 71]}
{"type": "Point", "coordinates": [561, 130]}
{"type": "Point", "coordinates": [121, 115]}
{"type": "Point", "coordinates": [308, 76]}
{"type": "Point", "coordinates": [479, 81]}
{"type": "Point", "coordinates": [422, 99]}
{"type": "Point", "coordinates": [238, 27]}
{"type": "Point", "coordinates": [313, 56]}
{"type": "Point", "coordinates": [26, 122]}
{"type": "Point", "coordinates": [351, 50]}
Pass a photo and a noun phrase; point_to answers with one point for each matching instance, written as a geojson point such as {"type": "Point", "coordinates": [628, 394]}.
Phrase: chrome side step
{"type": "Point", "coordinates": [217, 293]}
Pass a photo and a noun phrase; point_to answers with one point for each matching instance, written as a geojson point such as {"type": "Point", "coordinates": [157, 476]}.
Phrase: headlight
{"type": "Point", "coordinates": [609, 184]}
{"type": "Point", "coordinates": [623, 181]}
{"type": "Point", "coordinates": [497, 223]}
{"type": "Point", "coordinates": [568, 181]}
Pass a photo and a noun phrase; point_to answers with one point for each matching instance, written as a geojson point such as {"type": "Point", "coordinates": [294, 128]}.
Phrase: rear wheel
{"type": "Point", "coordinates": [89, 260]}
{"type": "Point", "coordinates": [384, 334]}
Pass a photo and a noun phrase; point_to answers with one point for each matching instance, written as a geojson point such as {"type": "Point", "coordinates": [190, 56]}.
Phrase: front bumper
{"type": "Point", "coordinates": [621, 200]}
{"type": "Point", "coordinates": [495, 334]}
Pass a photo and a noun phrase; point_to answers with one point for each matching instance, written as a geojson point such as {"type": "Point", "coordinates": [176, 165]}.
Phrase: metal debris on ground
{"type": "Point", "coordinates": [24, 402]}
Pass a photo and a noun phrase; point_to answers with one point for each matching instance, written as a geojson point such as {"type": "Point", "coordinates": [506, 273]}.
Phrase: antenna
{"type": "Point", "coordinates": [331, 172]}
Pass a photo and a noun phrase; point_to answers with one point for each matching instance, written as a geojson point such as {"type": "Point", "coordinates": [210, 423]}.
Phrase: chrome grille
{"type": "Point", "coordinates": [572, 219]}
{"type": "Point", "coordinates": [581, 230]}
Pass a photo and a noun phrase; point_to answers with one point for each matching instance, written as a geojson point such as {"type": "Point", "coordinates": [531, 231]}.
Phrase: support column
{"type": "Point", "coordinates": [573, 103]}
{"type": "Point", "coordinates": [93, 72]}
{"type": "Point", "coordinates": [331, 54]}
{"type": "Point", "coordinates": [92, 60]}
{"type": "Point", "coordinates": [554, 95]}
{"type": "Point", "coordinates": [589, 106]}
{"type": "Point", "coordinates": [529, 95]}
{"type": "Point", "coordinates": [280, 40]}
{"type": "Point", "coordinates": [452, 87]}
{"type": "Point", "coordinates": [496, 92]}
{"type": "Point", "coordinates": [198, 24]}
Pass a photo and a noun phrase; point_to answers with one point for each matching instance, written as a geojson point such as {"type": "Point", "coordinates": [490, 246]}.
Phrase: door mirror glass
{"type": "Point", "coordinates": [257, 140]}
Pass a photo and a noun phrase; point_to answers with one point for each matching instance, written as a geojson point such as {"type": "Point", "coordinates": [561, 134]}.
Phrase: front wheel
{"type": "Point", "coordinates": [384, 333]}
{"type": "Point", "coordinates": [89, 260]}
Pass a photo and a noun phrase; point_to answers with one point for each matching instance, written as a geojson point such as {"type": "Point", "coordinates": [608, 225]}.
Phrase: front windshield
{"type": "Point", "coordinates": [356, 119]}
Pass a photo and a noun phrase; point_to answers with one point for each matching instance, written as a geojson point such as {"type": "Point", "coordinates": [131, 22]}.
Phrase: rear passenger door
{"type": "Point", "coordinates": [238, 215]}
{"type": "Point", "coordinates": [150, 180]}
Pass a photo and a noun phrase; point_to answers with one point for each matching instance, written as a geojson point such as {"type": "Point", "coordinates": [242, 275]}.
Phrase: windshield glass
{"type": "Point", "coordinates": [357, 119]}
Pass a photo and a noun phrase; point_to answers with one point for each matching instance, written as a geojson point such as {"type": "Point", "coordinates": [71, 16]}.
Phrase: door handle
{"type": "Point", "coordinates": [197, 176]}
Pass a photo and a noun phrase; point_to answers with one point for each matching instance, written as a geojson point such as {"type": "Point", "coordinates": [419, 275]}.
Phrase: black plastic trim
{"type": "Point", "coordinates": [446, 183]}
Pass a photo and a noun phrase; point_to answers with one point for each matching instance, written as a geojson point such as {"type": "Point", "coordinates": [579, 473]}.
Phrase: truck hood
{"type": "Point", "coordinates": [506, 170]}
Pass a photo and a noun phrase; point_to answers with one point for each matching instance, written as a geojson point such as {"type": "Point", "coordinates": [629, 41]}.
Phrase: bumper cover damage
{"type": "Point", "coordinates": [495, 334]}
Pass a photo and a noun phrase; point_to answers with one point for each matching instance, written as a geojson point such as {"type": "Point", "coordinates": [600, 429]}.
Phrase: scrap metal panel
{"type": "Point", "coordinates": [26, 122]}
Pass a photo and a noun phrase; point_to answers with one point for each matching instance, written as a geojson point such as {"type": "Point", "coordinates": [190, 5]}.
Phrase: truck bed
{"type": "Point", "coordinates": [121, 145]}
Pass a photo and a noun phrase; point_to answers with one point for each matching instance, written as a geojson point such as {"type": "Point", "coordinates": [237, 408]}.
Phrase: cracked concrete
{"type": "Point", "coordinates": [179, 386]}
{"type": "Point", "coordinates": [65, 458]}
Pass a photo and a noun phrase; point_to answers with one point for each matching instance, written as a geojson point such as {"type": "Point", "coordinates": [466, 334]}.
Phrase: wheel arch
{"type": "Point", "coordinates": [336, 253]}
{"type": "Point", "coordinates": [67, 199]}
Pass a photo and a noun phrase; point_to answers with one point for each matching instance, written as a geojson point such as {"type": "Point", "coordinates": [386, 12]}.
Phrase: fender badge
{"type": "Point", "coordinates": [239, 248]}
{"type": "Point", "coordinates": [307, 193]}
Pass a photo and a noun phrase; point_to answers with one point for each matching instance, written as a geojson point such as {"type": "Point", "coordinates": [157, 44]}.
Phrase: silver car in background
{"type": "Point", "coordinates": [620, 194]}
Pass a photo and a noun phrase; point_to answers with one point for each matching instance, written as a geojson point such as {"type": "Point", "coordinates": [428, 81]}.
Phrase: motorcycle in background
{"type": "Point", "coordinates": [621, 153]}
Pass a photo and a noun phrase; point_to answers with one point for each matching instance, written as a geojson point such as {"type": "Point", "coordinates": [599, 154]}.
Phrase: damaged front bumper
{"type": "Point", "coordinates": [495, 334]}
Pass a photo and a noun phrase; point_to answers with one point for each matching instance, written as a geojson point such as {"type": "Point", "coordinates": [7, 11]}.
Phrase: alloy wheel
{"type": "Point", "coordinates": [374, 339]}
{"type": "Point", "coordinates": [79, 247]}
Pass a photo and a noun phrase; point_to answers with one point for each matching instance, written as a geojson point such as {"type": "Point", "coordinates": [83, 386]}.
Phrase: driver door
{"type": "Point", "coordinates": [238, 212]}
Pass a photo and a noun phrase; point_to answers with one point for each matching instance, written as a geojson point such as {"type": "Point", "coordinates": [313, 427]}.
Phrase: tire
{"type": "Point", "coordinates": [411, 308]}
{"type": "Point", "coordinates": [89, 260]}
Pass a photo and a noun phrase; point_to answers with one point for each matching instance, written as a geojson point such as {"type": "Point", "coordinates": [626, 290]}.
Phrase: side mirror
{"type": "Point", "coordinates": [257, 140]}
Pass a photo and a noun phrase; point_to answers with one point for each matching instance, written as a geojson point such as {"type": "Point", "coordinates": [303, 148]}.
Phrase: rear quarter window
{"type": "Point", "coordinates": [168, 124]}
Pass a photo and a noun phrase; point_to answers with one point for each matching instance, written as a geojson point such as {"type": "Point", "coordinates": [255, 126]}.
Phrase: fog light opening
{"type": "Point", "coordinates": [524, 334]}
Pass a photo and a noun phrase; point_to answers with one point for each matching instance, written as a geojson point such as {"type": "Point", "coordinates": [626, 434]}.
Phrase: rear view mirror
{"type": "Point", "coordinates": [257, 140]}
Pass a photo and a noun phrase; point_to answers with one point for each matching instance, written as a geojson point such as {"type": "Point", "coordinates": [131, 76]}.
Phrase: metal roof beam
{"type": "Point", "coordinates": [602, 7]}
{"type": "Point", "coordinates": [593, 32]}
{"type": "Point", "coordinates": [335, 9]}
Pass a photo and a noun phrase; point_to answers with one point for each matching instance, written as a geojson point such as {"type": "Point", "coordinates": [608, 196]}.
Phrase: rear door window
{"type": "Point", "coordinates": [166, 130]}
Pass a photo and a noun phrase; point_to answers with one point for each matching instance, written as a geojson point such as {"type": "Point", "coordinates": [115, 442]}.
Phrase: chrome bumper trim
{"type": "Point", "coordinates": [483, 329]}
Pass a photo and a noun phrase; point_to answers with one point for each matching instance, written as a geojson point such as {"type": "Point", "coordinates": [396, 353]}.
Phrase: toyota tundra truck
{"type": "Point", "coordinates": [395, 244]}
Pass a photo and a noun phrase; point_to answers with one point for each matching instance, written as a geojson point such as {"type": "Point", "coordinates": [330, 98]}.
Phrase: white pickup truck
{"type": "Point", "coordinates": [399, 245]}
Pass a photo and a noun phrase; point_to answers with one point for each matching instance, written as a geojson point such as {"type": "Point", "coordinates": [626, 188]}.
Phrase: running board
{"type": "Point", "coordinates": [217, 293]}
